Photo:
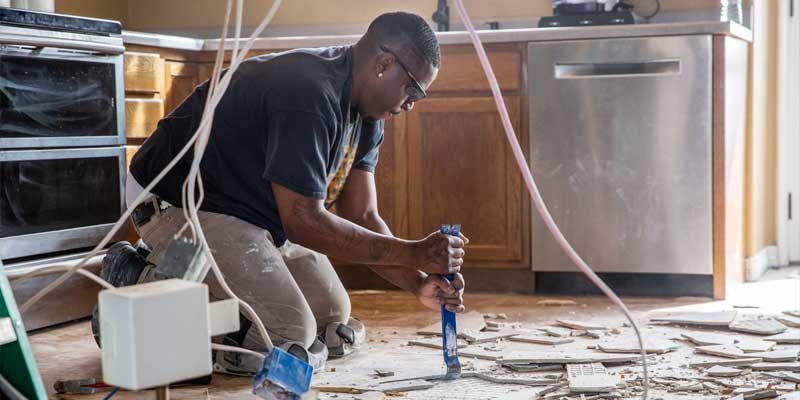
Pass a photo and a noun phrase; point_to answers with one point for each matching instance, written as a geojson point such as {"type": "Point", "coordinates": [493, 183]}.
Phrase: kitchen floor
{"type": "Point", "coordinates": [392, 318]}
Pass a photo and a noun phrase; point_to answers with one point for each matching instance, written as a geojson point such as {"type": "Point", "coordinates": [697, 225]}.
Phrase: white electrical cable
{"type": "Point", "coordinates": [534, 191]}
{"type": "Point", "coordinates": [235, 349]}
{"type": "Point", "coordinates": [56, 268]}
{"type": "Point", "coordinates": [204, 124]}
{"type": "Point", "coordinates": [199, 275]}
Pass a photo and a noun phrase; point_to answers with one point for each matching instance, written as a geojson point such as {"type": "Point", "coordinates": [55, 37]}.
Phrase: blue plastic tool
{"type": "Point", "coordinates": [282, 376]}
{"type": "Point", "coordinates": [449, 333]}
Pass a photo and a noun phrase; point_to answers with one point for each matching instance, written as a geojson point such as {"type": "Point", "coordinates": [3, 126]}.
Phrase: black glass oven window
{"type": "Point", "coordinates": [49, 195]}
{"type": "Point", "coordinates": [45, 97]}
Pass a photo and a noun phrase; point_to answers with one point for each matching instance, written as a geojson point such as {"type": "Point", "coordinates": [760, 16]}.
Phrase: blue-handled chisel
{"type": "Point", "coordinates": [449, 333]}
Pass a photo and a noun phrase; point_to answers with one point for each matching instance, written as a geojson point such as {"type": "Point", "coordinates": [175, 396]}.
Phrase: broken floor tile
{"type": "Point", "coordinates": [553, 357]}
{"type": "Point", "coordinates": [793, 313]}
{"type": "Point", "coordinates": [534, 367]}
{"type": "Point", "coordinates": [776, 366]}
{"type": "Point", "coordinates": [631, 345]}
{"type": "Point", "coordinates": [719, 370]}
{"type": "Point", "coordinates": [485, 337]}
{"type": "Point", "coordinates": [742, 362]}
{"type": "Point", "coordinates": [720, 318]}
{"type": "Point", "coordinates": [755, 346]}
{"type": "Point", "coordinates": [767, 326]}
{"type": "Point", "coordinates": [727, 351]}
{"type": "Point", "coordinates": [541, 339]}
{"type": "Point", "coordinates": [786, 355]}
{"type": "Point", "coordinates": [791, 336]}
{"type": "Point", "coordinates": [688, 386]}
{"type": "Point", "coordinates": [434, 343]}
{"type": "Point", "coordinates": [581, 325]}
{"type": "Point", "coordinates": [556, 331]}
{"type": "Point", "coordinates": [789, 320]}
{"type": "Point", "coordinates": [708, 338]}
{"type": "Point", "coordinates": [591, 378]}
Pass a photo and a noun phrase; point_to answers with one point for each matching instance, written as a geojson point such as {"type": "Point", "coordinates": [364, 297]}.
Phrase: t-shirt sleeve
{"type": "Point", "coordinates": [297, 144]}
{"type": "Point", "coordinates": [368, 147]}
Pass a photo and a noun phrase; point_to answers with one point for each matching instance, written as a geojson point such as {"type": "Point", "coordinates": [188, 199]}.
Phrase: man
{"type": "Point", "coordinates": [296, 133]}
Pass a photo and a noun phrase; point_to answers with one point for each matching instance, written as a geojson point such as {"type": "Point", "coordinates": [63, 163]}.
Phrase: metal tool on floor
{"type": "Point", "coordinates": [79, 386]}
{"type": "Point", "coordinates": [449, 335]}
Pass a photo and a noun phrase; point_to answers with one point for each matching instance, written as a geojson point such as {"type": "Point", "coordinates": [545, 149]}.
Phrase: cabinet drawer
{"type": "Point", "coordinates": [144, 72]}
{"type": "Point", "coordinates": [461, 70]}
{"type": "Point", "coordinates": [142, 116]}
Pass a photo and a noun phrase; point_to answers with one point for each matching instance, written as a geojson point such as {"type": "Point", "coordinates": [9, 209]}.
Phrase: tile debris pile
{"type": "Point", "coordinates": [717, 355]}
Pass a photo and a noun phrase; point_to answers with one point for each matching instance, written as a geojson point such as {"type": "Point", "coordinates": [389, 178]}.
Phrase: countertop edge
{"type": "Point", "coordinates": [487, 36]}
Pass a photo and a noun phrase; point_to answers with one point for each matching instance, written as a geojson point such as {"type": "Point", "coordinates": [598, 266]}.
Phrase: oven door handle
{"type": "Point", "coordinates": [41, 41]}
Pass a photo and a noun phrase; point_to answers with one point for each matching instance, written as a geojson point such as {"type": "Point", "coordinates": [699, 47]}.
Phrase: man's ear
{"type": "Point", "coordinates": [384, 61]}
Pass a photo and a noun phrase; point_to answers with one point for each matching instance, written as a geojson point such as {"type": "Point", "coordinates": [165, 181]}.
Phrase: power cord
{"type": "Point", "coordinates": [533, 190]}
{"type": "Point", "coordinates": [199, 140]}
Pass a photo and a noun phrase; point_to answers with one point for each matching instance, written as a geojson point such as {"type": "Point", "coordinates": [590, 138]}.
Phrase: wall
{"type": "Point", "coordinates": [761, 168]}
{"type": "Point", "coordinates": [106, 9]}
{"type": "Point", "coordinates": [760, 226]}
{"type": "Point", "coordinates": [193, 14]}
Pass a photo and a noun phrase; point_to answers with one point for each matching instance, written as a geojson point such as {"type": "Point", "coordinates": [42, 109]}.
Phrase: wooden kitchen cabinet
{"type": "Point", "coordinates": [391, 176]}
{"type": "Point", "coordinates": [461, 170]}
{"type": "Point", "coordinates": [180, 80]}
{"type": "Point", "coordinates": [447, 161]}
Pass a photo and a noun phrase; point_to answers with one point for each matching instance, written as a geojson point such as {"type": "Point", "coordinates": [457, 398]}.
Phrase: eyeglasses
{"type": "Point", "coordinates": [415, 93]}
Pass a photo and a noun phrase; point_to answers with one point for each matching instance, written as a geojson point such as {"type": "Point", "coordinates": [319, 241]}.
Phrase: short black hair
{"type": "Point", "coordinates": [411, 27]}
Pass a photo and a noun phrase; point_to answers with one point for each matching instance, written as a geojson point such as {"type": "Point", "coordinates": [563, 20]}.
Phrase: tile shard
{"type": "Point", "coordinates": [552, 357]}
{"type": "Point", "coordinates": [708, 338]}
{"type": "Point", "coordinates": [720, 318]}
{"type": "Point", "coordinates": [631, 345]}
{"type": "Point", "coordinates": [591, 378]}
{"type": "Point", "coordinates": [541, 339]}
{"type": "Point", "coordinates": [581, 325]}
{"type": "Point", "coordinates": [742, 362]}
{"type": "Point", "coordinates": [720, 371]}
{"type": "Point", "coordinates": [767, 326]}
{"type": "Point", "coordinates": [791, 336]}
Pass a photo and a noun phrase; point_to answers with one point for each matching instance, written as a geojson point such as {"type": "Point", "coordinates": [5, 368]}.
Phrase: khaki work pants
{"type": "Point", "coordinates": [294, 290]}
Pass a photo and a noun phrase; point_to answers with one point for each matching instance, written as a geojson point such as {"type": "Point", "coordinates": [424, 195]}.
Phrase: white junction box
{"type": "Point", "coordinates": [154, 334]}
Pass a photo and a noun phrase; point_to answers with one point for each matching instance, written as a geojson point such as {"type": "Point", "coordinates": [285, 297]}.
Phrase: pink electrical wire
{"type": "Point", "coordinates": [534, 191]}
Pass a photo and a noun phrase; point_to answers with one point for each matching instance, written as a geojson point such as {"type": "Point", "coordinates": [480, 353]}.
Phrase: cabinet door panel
{"type": "Point", "coordinates": [461, 170]}
{"type": "Point", "coordinates": [180, 80]}
{"type": "Point", "coordinates": [391, 177]}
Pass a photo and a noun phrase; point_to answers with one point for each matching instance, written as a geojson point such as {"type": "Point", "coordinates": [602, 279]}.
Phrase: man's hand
{"type": "Point", "coordinates": [440, 254]}
{"type": "Point", "coordinates": [435, 290]}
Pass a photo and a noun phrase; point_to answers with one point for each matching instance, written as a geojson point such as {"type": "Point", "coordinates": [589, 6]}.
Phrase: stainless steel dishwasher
{"type": "Point", "coordinates": [621, 151]}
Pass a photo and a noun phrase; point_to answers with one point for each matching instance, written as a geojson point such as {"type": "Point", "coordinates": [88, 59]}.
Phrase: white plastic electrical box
{"type": "Point", "coordinates": [154, 334]}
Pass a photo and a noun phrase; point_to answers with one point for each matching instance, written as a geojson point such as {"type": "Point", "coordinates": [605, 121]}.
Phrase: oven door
{"type": "Point", "coordinates": [53, 97]}
{"type": "Point", "coordinates": [59, 199]}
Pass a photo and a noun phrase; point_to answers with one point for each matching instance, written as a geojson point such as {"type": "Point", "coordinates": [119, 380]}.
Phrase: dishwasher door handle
{"type": "Point", "coordinates": [616, 69]}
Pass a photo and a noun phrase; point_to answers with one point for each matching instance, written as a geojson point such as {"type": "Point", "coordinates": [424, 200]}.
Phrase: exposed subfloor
{"type": "Point", "coordinates": [392, 318]}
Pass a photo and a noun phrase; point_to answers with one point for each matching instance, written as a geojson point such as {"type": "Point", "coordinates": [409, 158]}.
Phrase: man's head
{"type": "Point", "coordinates": [397, 60]}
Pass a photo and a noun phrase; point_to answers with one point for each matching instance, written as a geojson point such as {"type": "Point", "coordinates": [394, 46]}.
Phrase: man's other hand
{"type": "Point", "coordinates": [436, 290]}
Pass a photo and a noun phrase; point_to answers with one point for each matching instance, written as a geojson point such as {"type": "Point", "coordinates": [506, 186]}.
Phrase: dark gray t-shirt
{"type": "Point", "coordinates": [285, 118]}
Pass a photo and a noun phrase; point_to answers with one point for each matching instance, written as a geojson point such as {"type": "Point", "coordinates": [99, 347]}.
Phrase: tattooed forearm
{"type": "Point", "coordinates": [341, 239]}
{"type": "Point", "coordinates": [378, 249]}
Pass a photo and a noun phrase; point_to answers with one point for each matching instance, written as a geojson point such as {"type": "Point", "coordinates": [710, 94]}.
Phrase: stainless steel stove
{"type": "Point", "coordinates": [62, 155]}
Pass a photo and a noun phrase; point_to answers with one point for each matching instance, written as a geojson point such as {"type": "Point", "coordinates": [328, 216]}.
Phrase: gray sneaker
{"type": "Point", "coordinates": [122, 266]}
{"type": "Point", "coordinates": [343, 339]}
{"type": "Point", "coordinates": [239, 364]}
